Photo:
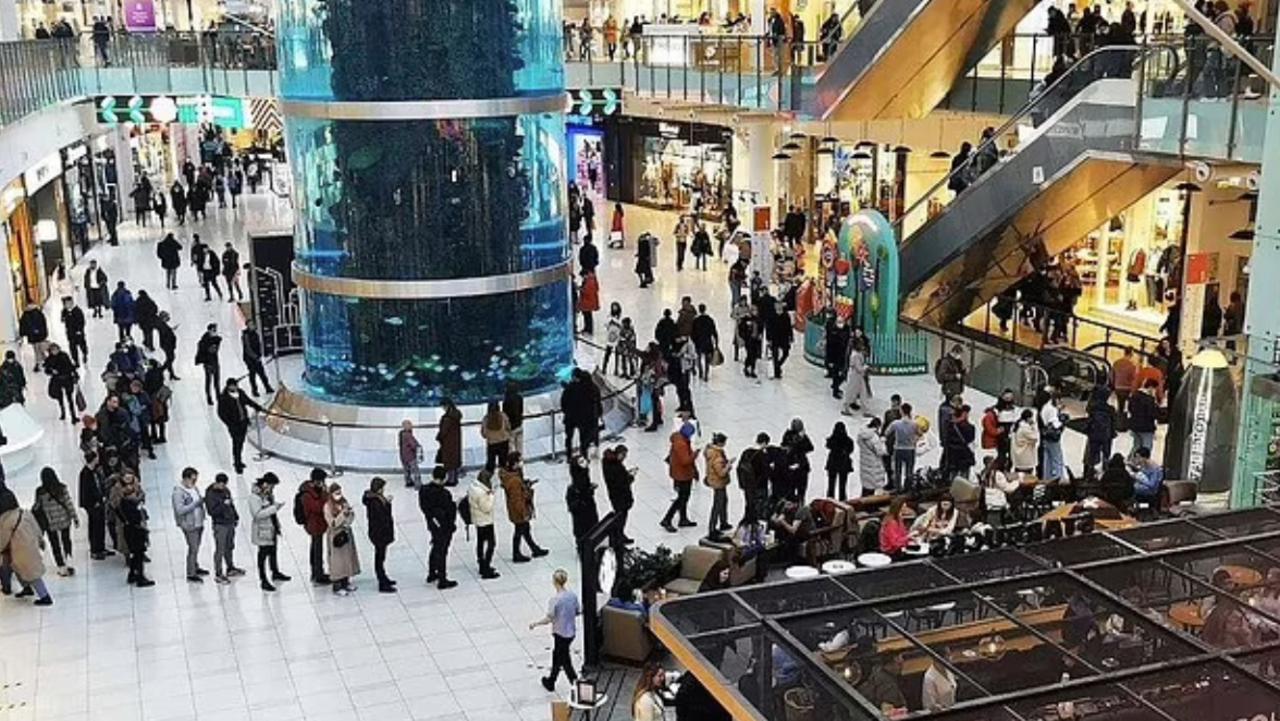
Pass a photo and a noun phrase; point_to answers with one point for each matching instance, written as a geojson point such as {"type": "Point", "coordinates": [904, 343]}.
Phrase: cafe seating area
{"type": "Point", "coordinates": [1170, 620]}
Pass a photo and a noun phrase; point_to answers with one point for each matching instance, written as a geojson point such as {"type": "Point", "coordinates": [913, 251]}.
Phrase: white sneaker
{"type": "Point", "coordinates": [342, 592]}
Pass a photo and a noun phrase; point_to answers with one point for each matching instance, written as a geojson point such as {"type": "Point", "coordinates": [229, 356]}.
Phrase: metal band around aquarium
{"type": "Point", "coordinates": [431, 289]}
{"type": "Point", "coordinates": [423, 109]}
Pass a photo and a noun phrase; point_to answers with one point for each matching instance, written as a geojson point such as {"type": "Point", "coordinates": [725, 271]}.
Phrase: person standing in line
{"type": "Point", "coordinates": [308, 512]}
{"type": "Point", "coordinates": [344, 562]}
{"type": "Point", "coordinates": [905, 434]}
{"type": "Point", "coordinates": [94, 504]}
{"type": "Point", "coordinates": [73, 322]}
{"type": "Point", "coordinates": [618, 482]}
{"type": "Point", "coordinates": [122, 309]}
{"type": "Point", "coordinates": [189, 515]}
{"type": "Point", "coordinates": [224, 518]}
{"type": "Point", "coordinates": [233, 411]}
{"type": "Point", "coordinates": [589, 301]}
{"type": "Point", "coordinates": [207, 358]}
{"type": "Point", "coordinates": [133, 528]}
{"type": "Point", "coordinates": [33, 327]}
{"type": "Point", "coordinates": [449, 442]}
{"type": "Point", "coordinates": [145, 312]}
{"type": "Point", "coordinates": [519, 496]}
{"type": "Point", "coordinates": [718, 468]}
{"type": "Point", "coordinates": [56, 513]}
{"type": "Point", "coordinates": [1026, 443]}
{"type": "Point", "coordinates": [441, 514]}
{"type": "Point", "coordinates": [480, 498]}
{"type": "Point", "coordinates": [410, 455]}
{"type": "Point", "coordinates": [513, 407]}
{"type": "Point", "coordinates": [264, 529]}
{"type": "Point", "coordinates": [382, 530]}
{"type": "Point", "coordinates": [683, 468]}
{"type": "Point", "coordinates": [580, 498]}
{"type": "Point", "coordinates": [251, 351]}
{"type": "Point", "coordinates": [562, 615]}
{"type": "Point", "coordinates": [839, 462]}
{"type": "Point", "coordinates": [95, 288]}
{"type": "Point", "coordinates": [168, 341]}
{"type": "Point", "coordinates": [231, 272]}
{"type": "Point", "coordinates": [496, 431]}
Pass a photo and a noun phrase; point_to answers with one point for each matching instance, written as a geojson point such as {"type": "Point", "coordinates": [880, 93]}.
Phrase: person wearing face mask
{"type": "Point", "coordinates": [207, 358]}
{"type": "Point", "coordinates": [233, 411]}
{"type": "Point", "coordinates": [344, 562]}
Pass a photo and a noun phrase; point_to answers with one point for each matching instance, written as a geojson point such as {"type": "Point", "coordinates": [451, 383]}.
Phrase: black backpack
{"type": "Point", "coordinates": [464, 510]}
{"type": "Point", "coordinates": [299, 510]}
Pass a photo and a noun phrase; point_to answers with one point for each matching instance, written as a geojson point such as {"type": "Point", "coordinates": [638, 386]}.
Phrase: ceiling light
{"type": "Point", "coordinates": [781, 156]}
{"type": "Point", "coordinates": [939, 155]}
{"type": "Point", "coordinates": [860, 155]}
{"type": "Point", "coordinates": [825, 150]}
{"type": "Point", "coordinates": [830, 140]}
{"type": "Point", "coordinates": [902, 149]}
{"type": "Point", "coordinates": [1242, 234]}
{"type": "Point", "coordinates": [864, 144]}
{"type": "Point", "coordinates": [791, 146]}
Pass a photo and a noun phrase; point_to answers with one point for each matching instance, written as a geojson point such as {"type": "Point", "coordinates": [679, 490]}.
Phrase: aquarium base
{"type": "Point", "coordinates": [306, 430]}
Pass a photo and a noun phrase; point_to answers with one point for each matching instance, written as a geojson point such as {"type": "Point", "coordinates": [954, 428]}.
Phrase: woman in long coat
{"type": "Point", "coordinates": [871, 451]}
{"type": "Point", "coordinates": [449, 437]}
{"type": "Point", "coordinates": [21, 557]}
{"type": "Point", "coordinates": [344, 562]}
{"type": "Point", "coordinates": [857, 389]}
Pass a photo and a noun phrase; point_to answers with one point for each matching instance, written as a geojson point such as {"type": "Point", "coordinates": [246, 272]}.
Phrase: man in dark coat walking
{"type": "Point", "coordinates": [233, 411]}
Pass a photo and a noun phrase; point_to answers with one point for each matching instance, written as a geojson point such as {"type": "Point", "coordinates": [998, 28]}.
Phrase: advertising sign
{"type": "Point", "coordinates": [140, 16]}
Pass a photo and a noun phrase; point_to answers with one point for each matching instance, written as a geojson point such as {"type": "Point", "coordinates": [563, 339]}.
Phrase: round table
{"type": "Point", "coordinates": [874, 560]}
{"type": "Point", "coordinates": [839, 567]}
{"type": "Point", "coordinates": [1243, 575]}
{"type": "Point", "coordinates": [1186, 615]}
{"type": "Point", "coordinates": [797, 573]}
{"type": "Point", "coordinates": [588, 710]}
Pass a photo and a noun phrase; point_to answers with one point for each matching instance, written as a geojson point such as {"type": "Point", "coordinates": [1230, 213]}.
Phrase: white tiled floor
{"type": "Point", "coordinates": [108, 652]}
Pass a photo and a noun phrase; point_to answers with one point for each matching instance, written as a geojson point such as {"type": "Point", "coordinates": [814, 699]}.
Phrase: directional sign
{"type": "Point", "coordinates": [598, 103]}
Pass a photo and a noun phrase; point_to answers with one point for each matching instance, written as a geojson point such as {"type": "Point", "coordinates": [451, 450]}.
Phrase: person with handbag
{"type": "Point", "coordinates": [344, 562]}
{"type": "Point", "coordinates": [382, 530]}
{"type": "Point", "coordinates": [132, 524]}
{"type": "Point", "coordinates": [264, 528]}
{"type": "Point", "coordinates": [56, 513]}
{"type": "Point", "coordinates": [20, 551]}
{"type": "Point", "coordinates": [62, 383]}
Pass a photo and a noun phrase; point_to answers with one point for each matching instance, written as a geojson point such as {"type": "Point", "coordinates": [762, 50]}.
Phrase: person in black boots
{"type": "Point", "coordinates": [480, 499]}
{"type": "Point", "coordinates": [382, 530]}
{"type": "Point", "coordinates": [441, 514]}
{"type": "Point", "coordinates": [145, 312]}
{"type": "Point", "coordinates": [618, 480]}
{"type": "Point", "coordinates": [168, 343]}
{"type": "Point", "coordinates": [62, 382]}
{"type": "Point", "coordinates": [265, 529]}
{"type": "Point", "coordinates": [518, 492]}
{"type": "Point", "coordinates": [207, 358]}
{"type": "Point", "coordinates": [308, 512]}
{"type": "Point", "coordinates": [251, 350]}
{"type": "Point", "coordinates": [33, 327]}
{"type": "Point", "coordinates": [133, 524]}
{"type": "Point", "coordinates": [73, 322]}
{"type": "Point", "coordinates": [94, 504]}
{"type": "Point", "coordinates": [169, 251]}
{"type": "Point", "coordinates": [780, 334]}
{"type": "Point", "coordinates": [233, 411]}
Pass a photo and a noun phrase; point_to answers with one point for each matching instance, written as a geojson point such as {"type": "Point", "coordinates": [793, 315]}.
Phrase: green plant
{"type": "Point", "coordinates": [642, 570]}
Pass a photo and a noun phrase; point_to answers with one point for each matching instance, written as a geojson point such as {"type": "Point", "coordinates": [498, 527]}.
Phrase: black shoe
{"type": "Point", "coordinates": [725, 527]}
{"type": "Point", "coordinates": [540, 552]}
{"type": "Point", "coordinates": [666, 526]}
{"type": "Point", "coordinates": [25, 593]}
{"type": "Point", "coordinates": [266, 586]}
{"type": "Point", "coordinates": [145, 582]}
{"type": "Point", "coordinates": [688, 524]}
{"type": "Point", "coordinates": [202, 572]}
{"type": "Point", "coordinates": [100, 556]}
{"type": "Point", "coordinates": [489, 574]}
{"type": "Point", "coordinates": [519, 558]}
{"type": "Point", "coordinates": [277, 576]}
{"type": "Point", "coordinates": [446, 584]}
{"type": "Point", "coordinates": [432, 577]}
{"type": "Point", "coordinates": [46, 601]}
{"type": "Point", "coordinates": [386, 588]}
{"type": "Point", "coordinates": [321, 581]}
{"type": "Point", "coordinates": [195, 579]}
{"type": "Point", "coordinates": [548, 684]}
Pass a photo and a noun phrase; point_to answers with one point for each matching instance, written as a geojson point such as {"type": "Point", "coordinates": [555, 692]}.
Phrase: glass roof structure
{"type": "Point", "coordinates": [1170, 621]}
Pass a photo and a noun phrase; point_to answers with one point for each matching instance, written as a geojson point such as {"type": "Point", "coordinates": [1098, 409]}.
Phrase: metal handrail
{"type": "Point", "coordinates": [1027, 109]}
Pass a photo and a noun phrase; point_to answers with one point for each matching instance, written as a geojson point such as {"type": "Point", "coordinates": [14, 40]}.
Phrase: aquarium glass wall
{"type": "Point", "coordinates": [419, 49]}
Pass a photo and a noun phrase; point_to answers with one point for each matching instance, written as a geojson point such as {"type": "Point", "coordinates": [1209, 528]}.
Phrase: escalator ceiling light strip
{"type": "Point", "coordinates": [825, 151]}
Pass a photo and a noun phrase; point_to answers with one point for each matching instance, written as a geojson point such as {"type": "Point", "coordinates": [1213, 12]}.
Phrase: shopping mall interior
{"type": "Point", "coordinates": [639, 360]}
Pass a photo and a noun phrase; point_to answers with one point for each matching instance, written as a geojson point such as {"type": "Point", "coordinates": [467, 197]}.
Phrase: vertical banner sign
{"type": "Point", "coordinates": [140, 16]}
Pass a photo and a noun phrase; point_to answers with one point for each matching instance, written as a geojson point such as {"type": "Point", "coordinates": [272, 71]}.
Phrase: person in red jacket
{"type": "Point", "coordinates": [589, 301]}
{"type": "Point", "coordinates": [990, 430]}
{"type": "Point", "coordinates": [682, 464]}
{"type": "Point", "coordinates": [313, 497]}
{"type": "Point", "coordinates": [894, 536]}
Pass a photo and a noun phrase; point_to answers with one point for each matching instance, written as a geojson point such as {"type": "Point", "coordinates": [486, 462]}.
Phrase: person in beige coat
{"type": "Point", "coordinates": [718, 468]}
{"type": "Point", "coordinates": [20, 554]}
{"type": "Point", "coordinates": [344, 562]}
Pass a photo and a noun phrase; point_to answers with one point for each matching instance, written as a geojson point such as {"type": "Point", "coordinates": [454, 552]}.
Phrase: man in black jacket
{"type": "Point", "coordinates": [168, 343]}
{"type": "Point", "coordinates": [145, 312]}
{"type": "Point", "coordinates": [207, 358]}
{"type": "Point", "coordinates": [73, 322]}
{"type": "Point", "coordinates": [1143, 411]}
{"type": "Point", "coordinates": [753, 471]}
{"type": "Point", "coordinates": [780, 335]}
{"type": "Point", "coordinates": [34, 329]}
{"type": "Point", "coordinates": [95, 506]}
{"type": "Point", "coordinates": [441, 514]}
{"type": "Point", "coordinates": [62, 382]}
{"type": "Point", "coordinates": [580, 403]}
{"type": "Point", "coordinates": [169, 250]}
{"type": "Point", "coordinates": [233, 411]}
{"type": "Point", "coordinates": [251, 350]}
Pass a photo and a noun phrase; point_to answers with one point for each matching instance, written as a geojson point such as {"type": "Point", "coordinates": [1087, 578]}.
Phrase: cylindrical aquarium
{"type": "Point", "coordinates": [426, 140]}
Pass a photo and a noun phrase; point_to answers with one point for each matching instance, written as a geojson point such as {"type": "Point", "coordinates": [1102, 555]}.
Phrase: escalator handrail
{"type": "Point", "coordinates": [1143, 51]}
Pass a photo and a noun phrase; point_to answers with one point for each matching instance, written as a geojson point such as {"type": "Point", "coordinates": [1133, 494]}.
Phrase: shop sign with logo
{"type": "Point", "coordinates": [39, 175]}
{"type": "Point", "coordinates": [140, 16]}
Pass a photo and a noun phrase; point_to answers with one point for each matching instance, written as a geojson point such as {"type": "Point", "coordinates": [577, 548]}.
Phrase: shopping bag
{"type": "Point", "coordinates": [81, 405]}
{"type": "Point", "coordinates": [717, 358]}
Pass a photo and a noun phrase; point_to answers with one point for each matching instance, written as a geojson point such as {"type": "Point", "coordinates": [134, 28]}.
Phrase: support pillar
{"type": "Point", "coordinates": [10, 27]}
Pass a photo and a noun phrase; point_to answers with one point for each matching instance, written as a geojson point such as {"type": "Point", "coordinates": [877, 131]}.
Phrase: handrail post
{"type": "Point", "coordinates": [1137, 105]}
{"type": "Point", "coordinates": [1235, 110]}
{"type": "Point", "coordinates": [262, 451]}
{"type": "Point", "coordinates": [333, 461]}
{"type": "Point", "coordinates": [553, 435]}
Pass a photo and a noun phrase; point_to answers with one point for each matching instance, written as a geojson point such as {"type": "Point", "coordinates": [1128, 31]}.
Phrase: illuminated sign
{"type": "Point", "coordinates": [597, 102]}
{"type": "Point", "coordinates": [230, 113]}
{"type": "Point", "coordinates": [39, 175]}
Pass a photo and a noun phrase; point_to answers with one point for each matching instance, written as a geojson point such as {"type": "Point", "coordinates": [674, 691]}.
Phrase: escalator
{"type": "Point", "coordinates": [904, 56]}
{"type": "Point", "coordinates": [1074, 170]}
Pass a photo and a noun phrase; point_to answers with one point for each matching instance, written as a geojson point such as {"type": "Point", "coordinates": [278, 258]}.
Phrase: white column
{"type": "Point", "coordinates": [757, 13]}
{"type": "Point", "coordinates": [753, 161]}
{"type": "Point", "coordinates": [9, 26]}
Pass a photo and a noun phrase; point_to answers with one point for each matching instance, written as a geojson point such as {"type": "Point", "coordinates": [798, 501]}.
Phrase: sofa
{"type": "Point", "coordinates": [695, 564]}
{"type": "Point", "coordinates": [626, 634]}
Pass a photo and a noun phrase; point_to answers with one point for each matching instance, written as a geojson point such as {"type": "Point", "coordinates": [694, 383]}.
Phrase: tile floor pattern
{"type": "Point", "coordinates": [177, 651]}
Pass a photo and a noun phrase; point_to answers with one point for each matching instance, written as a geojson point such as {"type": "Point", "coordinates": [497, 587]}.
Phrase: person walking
{"type": "Point", "coordinates": [780, 334]}
{"type": "Point", "coordinates": [63, 377]}
{"type": "Point", "coordinates": [562, 615]}
{"type": "Point", "coordinates": [618, 480]}
{"type": "Point", "coordinates": [73, 323]}
{"type": "Point", "coordinates": [749, 336]}
{"type": "Point", "coordinates": [145, 312]}
{"type": "Point", "coordinates": [344, 562]}
{"type": "Point", "coordinates": [33, 328]}
{"type": "Point", "coordinates": [207, 358]}
{"type": "Point", "coordinates": [449, 442]}
{"type": "Point", "coordinates": [251, 352]}
{"type": "Point", "coordinates": [308, 512]}
{"type": "Point", "coordinates": [1100, 427]}
{"type": "Point", "coordinates": [122, 309]}
{"type": "Point", "coordinates": [480, 500]}
{"type": "Point", "coordinates": [683, 231]}
{"type": "Point", "coordinates": [210, 269]}
{"type": "Point", "coordinates": [56, 513]}
{"type": "Point", "coordinates": [161, 206]}
{"type": "Point", "coordinates": [410, 455]}
{"type": "Point", "coordinates": [1143, 414]}
{"type": "Point", "coordinates": [224, 518]}
{"type": "Point", "coordinates": [381, 528]}
{"type": "Point", "coordinates": [95, 288]}
{"type": "Point", "coordinates": [178, 199]}
{"type": "Point", "coordinates": [264, 529]}
{"type": "Point", "coordinates": [857, 388]}
{"type": "Point", "coordinates": [580, 498]}
{"type": "Point", "coordinates": [441, 514]}
{"type": "Point", "coordinates": [496, 431]}
{"type": "Point", "coordinates": [231, 273]}
{"type": "Point", "coordinates": [718, 468]}
{"type": "Point", "coordinates": [189, 516]}
{"type": "Point", "coordinates": [706, 340]}
{"type": "Point", "coordinates": [20, 542]}
{"type": "Point", "coordinates": [518, 492]}
{"type": "Point", "coordinates": [168, 341]}
{"type": "Point", "coordinates": [645, 252]}
{"type": "Point", "coordinates": [683, 469]}
{"type": "Point", "coordinates": [13, 380]}
{"type": "Point", "coordinates": [233, 411]}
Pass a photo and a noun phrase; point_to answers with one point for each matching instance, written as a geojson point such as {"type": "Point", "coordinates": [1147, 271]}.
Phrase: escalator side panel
{"type": "Point", "coordinates": [907, 72]}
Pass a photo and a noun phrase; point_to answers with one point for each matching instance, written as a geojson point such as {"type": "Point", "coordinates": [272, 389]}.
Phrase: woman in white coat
{"type": "Point", "coordinates": [1026, 443]}
{"type": "Point", "coordinates": [856, 388]}
{"type": "Point", "coordinates": [264, 529]}
{"type": "Point", "coordinates": [871, 453]}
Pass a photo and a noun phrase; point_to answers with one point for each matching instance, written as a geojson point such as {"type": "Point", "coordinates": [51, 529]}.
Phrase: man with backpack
{"type": "Point", "coordinates": [441, 514]}
{"type": "Point", "coordinates": [753, 473]}
{"type": "Point", "coordinates": [308, 512]}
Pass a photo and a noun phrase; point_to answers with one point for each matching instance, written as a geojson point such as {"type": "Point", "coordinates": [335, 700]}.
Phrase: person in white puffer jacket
{"type": "Point", "coordinates": [480, 499]}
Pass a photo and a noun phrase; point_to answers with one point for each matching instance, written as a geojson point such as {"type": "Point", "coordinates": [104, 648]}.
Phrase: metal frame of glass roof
{"type": "Point", "coordinates": [1097, 608]}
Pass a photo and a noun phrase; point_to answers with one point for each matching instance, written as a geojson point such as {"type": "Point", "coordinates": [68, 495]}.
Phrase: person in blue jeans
{"type": "Point", "coordinates": [562, 615]}
{"type": "Point", "coordinates": [1143, 412]}
{"type": "Point", "coordinates": [904, 434]}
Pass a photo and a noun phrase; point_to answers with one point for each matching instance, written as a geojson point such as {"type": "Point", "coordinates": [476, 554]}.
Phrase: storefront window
{"type": "Point", "coordinates": [675, 174]}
